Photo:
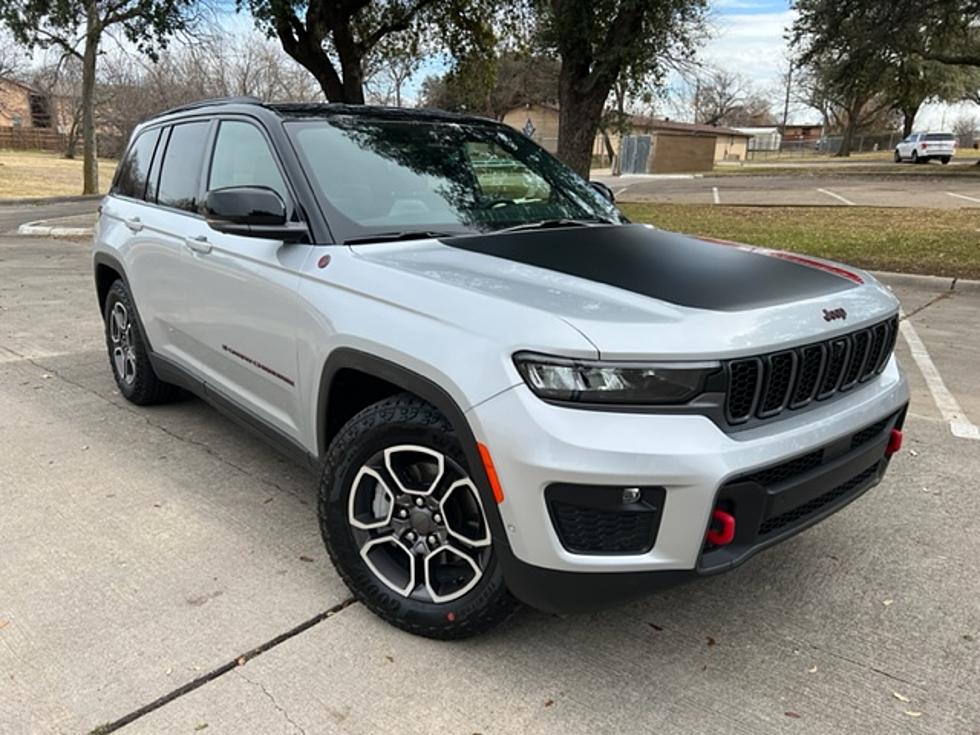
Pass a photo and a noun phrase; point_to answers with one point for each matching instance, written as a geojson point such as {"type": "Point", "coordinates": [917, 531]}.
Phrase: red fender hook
{"type": "Point", "coordinates": [726, 534]}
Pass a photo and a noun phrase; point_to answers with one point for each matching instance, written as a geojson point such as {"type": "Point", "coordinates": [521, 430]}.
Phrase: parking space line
{"type": "Point", "coordinates": [829, 193]}
{"type": "Point", "coordinates": [964, 196]}
{"type": "Point", "coordinates": [947, 404]}
{"type": "Point", "coordinates": [714, 193]}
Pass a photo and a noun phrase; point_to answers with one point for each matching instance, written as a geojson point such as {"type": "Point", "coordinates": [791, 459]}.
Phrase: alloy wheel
{"type": "Point", "coordinates": [418, 523]}
{"type": "Point", "coordinates": [123, 349]}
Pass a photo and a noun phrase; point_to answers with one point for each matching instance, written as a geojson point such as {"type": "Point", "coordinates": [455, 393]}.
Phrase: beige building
{"type": "Point", "coordinates": [681, 146]}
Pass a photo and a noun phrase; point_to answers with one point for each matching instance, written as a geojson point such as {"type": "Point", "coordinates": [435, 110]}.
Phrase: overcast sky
{"type": "Point", "coordinates": [748, 38]}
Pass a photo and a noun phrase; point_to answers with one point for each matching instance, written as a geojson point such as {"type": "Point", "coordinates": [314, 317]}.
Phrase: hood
{"type": "Point", "coordinates": [637, 292]}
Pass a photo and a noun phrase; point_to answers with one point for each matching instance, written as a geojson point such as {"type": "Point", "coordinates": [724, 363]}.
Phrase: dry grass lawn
{"type": "Point", "coordinates": [41, 174]}
{"type": "Point", "coordinates": [935, 242]}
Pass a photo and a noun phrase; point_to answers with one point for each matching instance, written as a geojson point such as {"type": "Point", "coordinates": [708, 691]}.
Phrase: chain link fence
{"type": "Point", "coordinates": [828, 145]}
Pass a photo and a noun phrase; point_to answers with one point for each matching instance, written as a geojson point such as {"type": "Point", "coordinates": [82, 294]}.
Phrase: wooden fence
{"type": "Point", "coordinates": [37, 139]}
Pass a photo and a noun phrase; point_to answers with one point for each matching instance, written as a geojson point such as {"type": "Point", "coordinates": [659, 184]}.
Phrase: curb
{"type": "Point", "coordinates": [51, 200]}
{"type": "Point", "coordinates": [37, 229]}
{"type": "Point", "coordinates": [939, 283]}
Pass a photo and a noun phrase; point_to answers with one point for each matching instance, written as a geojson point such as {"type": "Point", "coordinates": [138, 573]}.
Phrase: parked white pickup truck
{"type": "Point", "coordinates": [920, 147]}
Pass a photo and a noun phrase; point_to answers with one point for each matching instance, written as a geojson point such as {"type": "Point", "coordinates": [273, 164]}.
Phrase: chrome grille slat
{"type": "Point", "coordinates": [765, 386]}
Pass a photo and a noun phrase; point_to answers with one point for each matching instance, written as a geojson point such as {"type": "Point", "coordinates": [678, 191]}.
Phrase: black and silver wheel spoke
{"type": "Point", "coordinates": [123, 349]}
{"type": "Point", "coordinates": [419, 523]}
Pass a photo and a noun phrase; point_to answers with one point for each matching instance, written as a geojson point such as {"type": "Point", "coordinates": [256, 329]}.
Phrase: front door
{"type": "Point", "coordinates": [243, 305]}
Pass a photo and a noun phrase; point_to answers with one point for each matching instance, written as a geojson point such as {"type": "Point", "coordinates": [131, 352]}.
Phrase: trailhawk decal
{"type": "Point", "coordinates": [676, 268]}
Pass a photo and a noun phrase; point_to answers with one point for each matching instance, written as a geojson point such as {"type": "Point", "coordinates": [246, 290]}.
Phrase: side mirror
{"type": "Point", "coordinates": [251, 211]}
{"type": "Point", "coordinates": [604, 190]}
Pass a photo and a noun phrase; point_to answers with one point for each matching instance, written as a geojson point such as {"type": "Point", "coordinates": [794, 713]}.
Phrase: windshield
{"type": "Point", "coordinates": [380, 176]}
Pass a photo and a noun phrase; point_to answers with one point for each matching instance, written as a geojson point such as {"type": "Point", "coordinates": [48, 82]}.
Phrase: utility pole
{"type": "Point", "coordinates": [789, 86]}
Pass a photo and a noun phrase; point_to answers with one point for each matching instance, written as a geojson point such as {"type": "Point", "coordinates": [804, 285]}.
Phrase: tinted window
{"type": "Point", "coordinates": [242, 158]}
{"type": "Point", "coordinates": [132, 174]}
{"type": "Point", "coordinates": [180, 176]}
{"type": "Point", "coordinates": [940, 136]}
{"type": "Point", "coordinates": [385, 175]}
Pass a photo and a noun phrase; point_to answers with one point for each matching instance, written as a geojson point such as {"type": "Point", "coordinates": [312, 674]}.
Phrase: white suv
{"type": "Point", "coordinates": [922, 147]}
{"type": "Point", "coordinates": [512, 394]}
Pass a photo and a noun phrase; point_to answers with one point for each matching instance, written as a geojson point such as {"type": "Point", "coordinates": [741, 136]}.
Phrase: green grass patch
{"type": "Point", "coordinates": [935, 242]}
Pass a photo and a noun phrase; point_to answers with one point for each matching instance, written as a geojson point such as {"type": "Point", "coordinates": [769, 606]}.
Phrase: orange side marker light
{"type": "Point", "coordinates": [498, 492]}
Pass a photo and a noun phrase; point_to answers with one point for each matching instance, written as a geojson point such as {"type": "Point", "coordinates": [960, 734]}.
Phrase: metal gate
{"type": "Point", "coordinates": [634, 153]}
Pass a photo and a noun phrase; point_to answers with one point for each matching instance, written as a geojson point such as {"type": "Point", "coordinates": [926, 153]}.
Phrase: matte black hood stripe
{"type": "Point", "coordinates": [675, 268]}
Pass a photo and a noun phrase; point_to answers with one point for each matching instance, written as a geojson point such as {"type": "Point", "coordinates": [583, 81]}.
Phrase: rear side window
{"type": "Point", "coordinates": [134, 169]}
{"type": "Point", "coordinates": [180, 176]}
{"type": "Point", "coordinates": [242, 158]}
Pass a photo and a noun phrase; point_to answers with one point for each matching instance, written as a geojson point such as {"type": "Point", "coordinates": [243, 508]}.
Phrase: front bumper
{"type": "Point", "coordinates": [535, 444]}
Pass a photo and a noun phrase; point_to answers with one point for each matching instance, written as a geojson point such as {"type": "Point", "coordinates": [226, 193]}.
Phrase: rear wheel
{"type": "Point", "coordinates": [945, 160]}
{"type": "Point", "coordinates": [128, 354]}
{"type": "Point", "coordinates": [404, 523]}
{"type": "Point", "coordinates": [915, 156]}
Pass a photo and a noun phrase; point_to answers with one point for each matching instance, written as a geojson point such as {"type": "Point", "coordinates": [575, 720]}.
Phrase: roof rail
{"type": "Point", "coordinates": [242, 100]}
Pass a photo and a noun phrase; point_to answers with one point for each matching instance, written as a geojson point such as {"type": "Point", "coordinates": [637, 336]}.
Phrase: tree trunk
{"type": "Point", "coordinates": [90, 162]}
{"type": "Point", "coordinates": [908, 120]}
{"type": "Point", "coordinates": [579, 114]}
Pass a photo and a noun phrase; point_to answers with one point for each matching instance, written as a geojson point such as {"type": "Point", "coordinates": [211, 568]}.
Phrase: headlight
{"type": "Point", "coordinates": [586, 381]}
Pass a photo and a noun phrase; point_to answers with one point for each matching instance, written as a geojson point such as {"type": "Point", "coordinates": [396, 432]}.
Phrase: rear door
{"type": "Point", "coordinates": [170, 221]}
{"type": "Point", "coordinates": [134, 227]}
{"type": "Point", "coordinates": [245, 311]}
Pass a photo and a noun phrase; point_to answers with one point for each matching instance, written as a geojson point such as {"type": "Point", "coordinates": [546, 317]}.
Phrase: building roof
{"type": "Point", "coordinates": [22, 85]}
{"type": "Point", "coordinates": [653, 123]}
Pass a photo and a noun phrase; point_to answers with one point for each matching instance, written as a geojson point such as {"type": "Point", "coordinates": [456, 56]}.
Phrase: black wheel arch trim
{"type": "Point", "coordinates": [109, 261]}
{"type": "Point", "coordinates": [348, 358]}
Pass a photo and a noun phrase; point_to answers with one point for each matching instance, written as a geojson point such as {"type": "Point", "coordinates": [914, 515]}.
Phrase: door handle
{"type": "Point", "coordinates": [198, 244]}
{"type": "Point", "coordinates": [135, 224]}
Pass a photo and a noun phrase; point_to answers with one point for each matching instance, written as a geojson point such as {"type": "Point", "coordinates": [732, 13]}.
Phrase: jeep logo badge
{"type": "Point", "coordinates": [830, 315]}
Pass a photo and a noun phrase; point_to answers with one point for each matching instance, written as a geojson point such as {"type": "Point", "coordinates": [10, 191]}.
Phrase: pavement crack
{"type": "Point", "coordinates": [279, 708]}
{"type": "Point", "coordinates": [926, 305]}
{"type": "Point", "coordinates": [863, 665]}
{"type": "Point", "coordinates": [232, 665]}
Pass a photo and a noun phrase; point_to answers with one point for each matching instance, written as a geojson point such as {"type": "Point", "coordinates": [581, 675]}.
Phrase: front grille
{"type": "Point", "coordinates": [597, 531]}
{"type": "Point", "coordinates": [812, 507]}
{"type": "Point", "coordinates": [766, 386]}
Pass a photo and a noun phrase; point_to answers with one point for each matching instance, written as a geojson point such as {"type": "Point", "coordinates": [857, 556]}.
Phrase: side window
{"type": "Point", "coordinates": [154, 177]}
{"type": "Point", "coordinates": [133, 170]}
{"type": "Point", "coordinates": [180, 176]}
{"type": "Point", "coordinates": [242, 158]}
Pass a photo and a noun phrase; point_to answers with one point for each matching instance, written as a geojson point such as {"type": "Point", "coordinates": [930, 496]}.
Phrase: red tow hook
{"type": "Point", "coordinates": [894, 442]}
{"type": "Point", "coordinates": [726, 534]}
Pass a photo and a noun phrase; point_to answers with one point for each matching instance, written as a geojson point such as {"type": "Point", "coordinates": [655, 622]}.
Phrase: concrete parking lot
{"type": "Point", "coordinates": [816, 186]}
{"type": "Point", "coordinates": [162, 570]}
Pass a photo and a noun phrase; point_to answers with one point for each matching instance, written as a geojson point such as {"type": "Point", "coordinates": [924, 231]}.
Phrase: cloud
{"type": "Point", "coordinates": [750, 44]}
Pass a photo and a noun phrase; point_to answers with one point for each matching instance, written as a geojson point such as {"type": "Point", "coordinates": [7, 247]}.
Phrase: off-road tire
{"type": "Point", "coordinates": [144, 388]}
{"type": "Point", "coordinates": [398, 420]}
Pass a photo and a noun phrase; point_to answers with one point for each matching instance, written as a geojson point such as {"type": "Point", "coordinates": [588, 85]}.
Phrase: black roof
{"type": "Point", "coordinates": [299, 110]}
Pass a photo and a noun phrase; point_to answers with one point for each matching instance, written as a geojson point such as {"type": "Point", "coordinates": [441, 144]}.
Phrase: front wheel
{"type": "Point", "coordinates": [898, 156]}
{"type": "Point", "coordinates": [405, 524]}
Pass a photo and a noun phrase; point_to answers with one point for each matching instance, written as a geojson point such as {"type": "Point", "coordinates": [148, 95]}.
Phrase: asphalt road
{"type": "Point", "coordinates": [144, 551]}
{"type": "Point", "coordinates": [14, 215]}
{"type": "Point", "coordinates": [815, 186]}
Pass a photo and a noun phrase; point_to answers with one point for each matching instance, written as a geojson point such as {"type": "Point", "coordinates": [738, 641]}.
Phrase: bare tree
{"type": "Point", "coordinates": [965, 129]}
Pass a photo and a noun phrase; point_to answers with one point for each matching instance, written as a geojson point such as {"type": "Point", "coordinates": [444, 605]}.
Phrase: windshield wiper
{"type": "Point", "coordinates": [561, 222]}
{"type": "Point", "coordinates": [398, 235]}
